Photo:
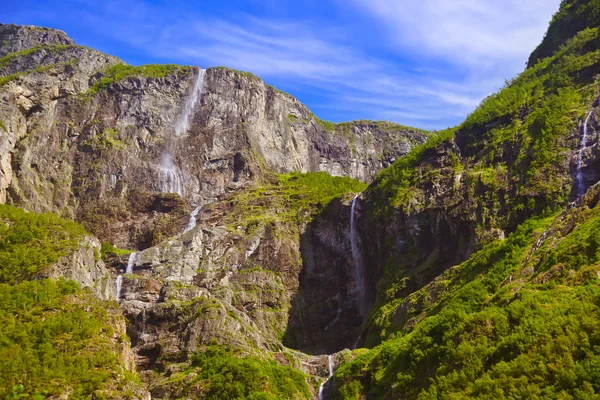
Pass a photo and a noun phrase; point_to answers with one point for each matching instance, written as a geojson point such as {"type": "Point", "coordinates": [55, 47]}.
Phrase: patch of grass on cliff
{"type": "Point", "coordinates": [30, 242]}
{"type": "Point", "coordinates": [293, 197]}
{"type": "Point", "coordinates": [119, 72]}
{"type": "Point", "coordinates": [238, 72]}
{"type": "Point", "coordinates": [496, 330]}
{"type": "Point", "coordinates": [218, 373]}
{"type": "Point", "coordinates": [395, 185]}
{"type": "Point", "coordinates": [41, 69]}
{"type": "Point", "coordinates": [51, 48]}
{"type": "Point", "coordinates": [55, 338]}
{"type": "Point", "coordinates": [109, 248]}
{"type": "Point", "coordinates": [104, 141]}
{"type": "Point", "coordinates": [2, 126]}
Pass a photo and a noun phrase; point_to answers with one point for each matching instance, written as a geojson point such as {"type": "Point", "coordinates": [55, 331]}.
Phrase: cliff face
{"type": "Point", "coordinates": [462, 234]}
{"type": "Point", "coordinates": [100, 144]}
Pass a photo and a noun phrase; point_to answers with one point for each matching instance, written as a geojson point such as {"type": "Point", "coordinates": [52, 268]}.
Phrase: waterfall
{"type": "Point", "coordinates": [192, 224]}
{"type": "Point", "coordinates": [170, 174]}
{"type": "Point", "coordinates": [356, 256]}
{"type": "Point", "coordinates": [582, 147]}
{"type": "Point", "coordinates": [183, 122]}
{"type": "Point", "coordinates": [130, 263]}
{"type": "Point", "coordinates": [322, 387]}
{"type": "Point", "coordinates": [119, 285]}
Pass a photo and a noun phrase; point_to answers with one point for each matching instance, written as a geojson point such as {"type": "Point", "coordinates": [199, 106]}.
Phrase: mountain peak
{"type": "Point", "coordinates": [15, 38]}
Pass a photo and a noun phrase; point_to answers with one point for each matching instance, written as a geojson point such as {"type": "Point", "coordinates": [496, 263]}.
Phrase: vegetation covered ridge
{"type": "Point", "coordinates": [519, 319]}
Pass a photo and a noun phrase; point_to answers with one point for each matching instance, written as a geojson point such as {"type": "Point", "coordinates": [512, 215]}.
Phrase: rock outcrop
{"type": "Point", "coordinates": [98, 144]}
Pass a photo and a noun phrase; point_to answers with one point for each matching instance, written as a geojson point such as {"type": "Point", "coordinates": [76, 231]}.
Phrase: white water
{"type": "Point", "coordinates": [183, 122]}
{"type": "Point", "coordinates": [582, 147]}
{"type": "Point", "coordinates": [170, 174]}
{"type": "Point", "coordinates": [130, 264]}
{"type": "Point", "coordinates": [322, 387]}
{"type": "Point", "coordinates": [356, 256]}
{"type": "Point", "coordinates": [119, 285]}
{"type": "Point", "coordinates": [192, 224]}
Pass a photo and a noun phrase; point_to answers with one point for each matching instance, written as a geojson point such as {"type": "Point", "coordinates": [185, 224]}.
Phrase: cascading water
{"type": "Point", "coordinates": [322, 387]}
{"type": "Point", "coordinates": [183, 122]}
{"type": "Point", "coordinates": [582, 147]}
{"type": "Point", "coordinates": [119, 285]}
{"type": "Point", "coordinates": [130, 264]}
{"type": "Point", "coordinates": [128, 270]}
{"type": "Point", "coordinates": [356, 256]}
{"type": "Point", "coordinates": [170, 174]}
{"type": "Point", "coordinates": [192, 224]}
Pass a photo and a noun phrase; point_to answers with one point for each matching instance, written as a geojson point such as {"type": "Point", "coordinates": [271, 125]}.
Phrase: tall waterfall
{"type": "Point", "coordinates": [171, 176]}
{"type": "Point", "coordinates": [192, 224]}
{"type": "Point", "coordinates": [119, 285]}
{"type": "Point", "coordinates": [357, 258]}
{"type": "Point", "coordinates": [322, 387]}
{"type": "Point", "coordinates": [183, 122]}
{"type": "Point", "coordinates": [130, 264]}
{"type": "Point", "coordinates": [582, 147]}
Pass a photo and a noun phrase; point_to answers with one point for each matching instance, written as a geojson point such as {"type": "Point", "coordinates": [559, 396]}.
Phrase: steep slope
{"type": "Point", "coordinates": [57, 339]}
{"type": "Point", "coordinates": [98, 141]}
{"type": "Point", "coordinates": [470, 202]}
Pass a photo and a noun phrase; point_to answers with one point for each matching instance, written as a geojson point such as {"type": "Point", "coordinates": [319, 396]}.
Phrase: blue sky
{"type": "Point", "coordinates": [424, 63]}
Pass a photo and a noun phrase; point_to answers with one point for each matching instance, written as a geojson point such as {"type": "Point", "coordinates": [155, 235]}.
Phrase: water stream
{"type": "Point", "coordinates": [582, 147]}
{"type": "Point", "coordinates": [322, 387]}
{"type": "Point", "coordinates": [171, 176]}
{"type": "Point", "coordinates": [192, 224]}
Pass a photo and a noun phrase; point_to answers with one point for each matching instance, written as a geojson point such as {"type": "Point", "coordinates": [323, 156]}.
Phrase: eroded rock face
{"type": "Point", "coordinates": [18, 38]}
{"type": "Point", "coordinates": [100, 156]}
{"type": "Point", "coordinates": [85, 267]}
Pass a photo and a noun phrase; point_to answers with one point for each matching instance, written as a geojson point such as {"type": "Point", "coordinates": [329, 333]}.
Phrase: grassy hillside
{"type": "Point", "coordinates": [518, 317]}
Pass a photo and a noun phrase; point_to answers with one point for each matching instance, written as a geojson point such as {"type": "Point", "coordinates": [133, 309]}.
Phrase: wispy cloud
{"type": "Point", "coordinates": [493, 33]}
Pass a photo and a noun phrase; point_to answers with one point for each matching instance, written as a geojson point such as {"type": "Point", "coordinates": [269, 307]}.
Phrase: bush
{"type": "Point", "coordinates": [30, 242]}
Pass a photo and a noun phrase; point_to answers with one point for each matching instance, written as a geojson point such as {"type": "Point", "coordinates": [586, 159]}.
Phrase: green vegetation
{"type": "Point", "coordinates": [2, 126]}
{"type": "Point", "coordinates": [218, 373]}
{"type": "Point", "coordinates": [238, 72]}
{"type": "Point", "coordinates": [119, 72]}
{"type": "Point", "coordinates": [495, 330]}
{"type": "Point", "coordinates": [525, 128]}
{"type": "Point", "coordinates": [292, 117]}
{"type": "Point", "coordinates": [30, 243]}
{"type": "Point", "coordinates": [395, 186]}
{"type": "Point", "coordinates": [50, 48]}
{"type": "Point", "coordinates": [104, 141]}
{"type": "Point", "coordinates": [293, 197]}
{"type": "Point", "coordinates": [54, 338]}
{"type": "Point", "coordinates": [41, 69]}
{"type": "Point", "coordinates": [109, 248]}
{"type": "Point", "coordinates": [573, 16]}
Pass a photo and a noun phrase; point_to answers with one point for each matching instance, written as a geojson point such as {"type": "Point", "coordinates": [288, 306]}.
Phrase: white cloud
{"type": "Point", "coordinates": [489, 32]}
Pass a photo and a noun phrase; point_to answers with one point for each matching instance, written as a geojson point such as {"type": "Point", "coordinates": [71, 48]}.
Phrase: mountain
{"type": "Point", "coordinates": [214, 238]}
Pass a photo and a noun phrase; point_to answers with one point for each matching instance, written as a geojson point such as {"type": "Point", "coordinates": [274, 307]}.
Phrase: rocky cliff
{"type": "Point", "coordinates": [98, 141]}
{"type": "Point", "coordinates": [468, 267]}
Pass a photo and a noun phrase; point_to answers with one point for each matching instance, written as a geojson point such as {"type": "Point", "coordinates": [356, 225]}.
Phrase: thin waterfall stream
{"type": "Point", "coordinates": [128, 270]}
{"type": "Point", "coordinates": [322, 387]}
{"type": "Point", "coordinates": [192, 223]}
{"type": "Point", "coordinates": [582, 147]}
{"type": "Point", "coordinates": [170, 174]}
